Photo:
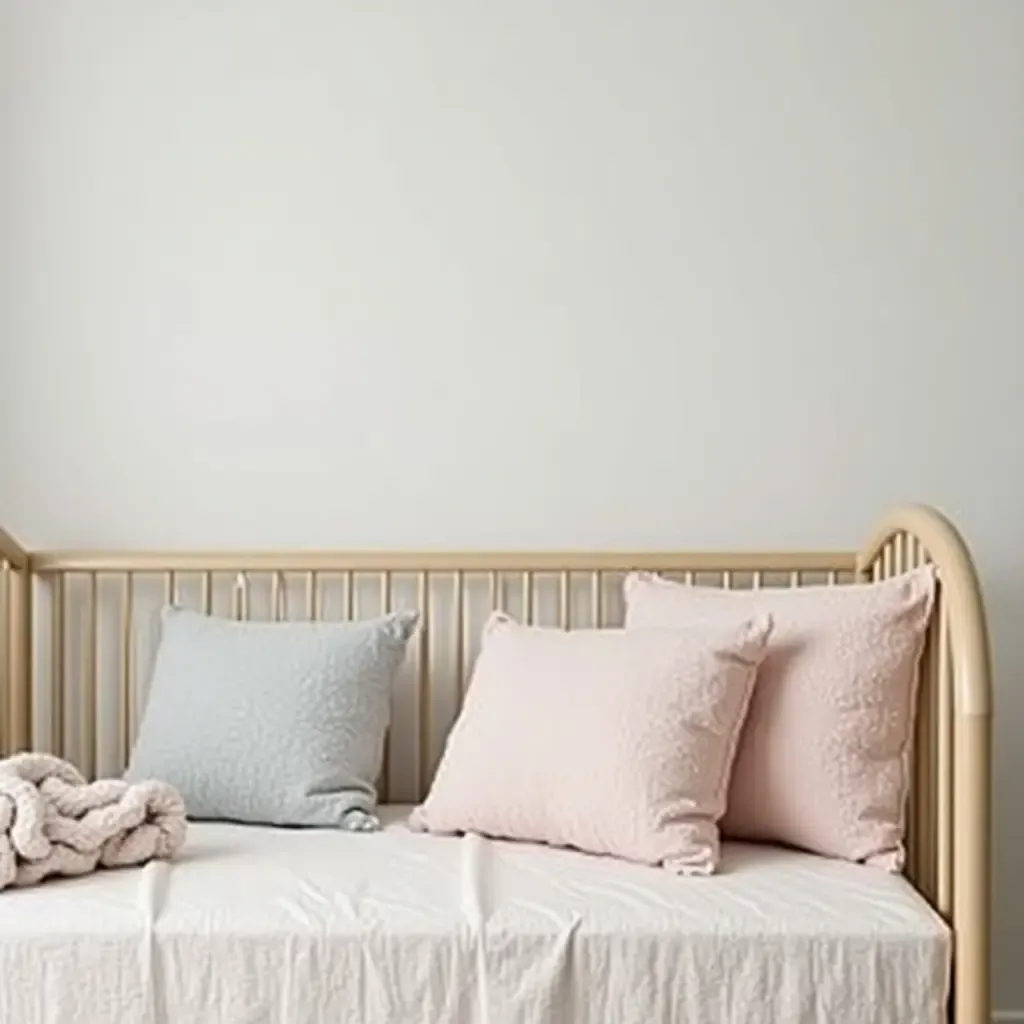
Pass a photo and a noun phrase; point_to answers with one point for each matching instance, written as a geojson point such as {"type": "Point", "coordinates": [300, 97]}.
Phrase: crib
{"type": "Point", "coordinates": [76, 639]}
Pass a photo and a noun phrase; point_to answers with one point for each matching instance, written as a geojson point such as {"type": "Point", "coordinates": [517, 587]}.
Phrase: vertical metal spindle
{"type": "Point", "coordinates": [19, 657]}
{"type": "Point", "coordinates": [564, 602]}
{"type": "Point", "coordinates": [90, 695]}
{"type": "Point", "coordinates": [59, 688]}
{"type": "Point", "coordinates": [207, 595]}
{"type": "Point", "coordinates": [312, 596]}
{"type": "Point", "coordinates": [423, 600]}
{"type": "Point", "coordinates": [126, 702]}
{"type": "Point", "coordinates": [459, 627]}
{"type": "Point", "coordinates": [898, 546]}
{"type": "Point", "coordinates": [385, 768]}
{"type": "Point", "coordinates": [528, 597]}
{"type": "Point", "coordinates": [597, 599]}
{"type": "Point", "coordinates": [277, 593]}
{"type": "Point", "coordinates": [887, 560]}
{"type": "Point", "coordinates": [349, 597]}
{"type": "Point", "coordinates": [913, 552]}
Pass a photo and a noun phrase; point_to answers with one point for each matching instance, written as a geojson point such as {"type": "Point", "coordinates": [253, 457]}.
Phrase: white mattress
{"type": "Point", "coordinates": [267, 926]}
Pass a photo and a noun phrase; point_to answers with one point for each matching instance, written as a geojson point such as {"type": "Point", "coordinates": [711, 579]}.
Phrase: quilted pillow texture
{"type": "Point", "coordinates": [823, 758]}
{"type": "Point", "coordinates": [602, 740]}
{"type": "Point", "coordinates": [276, 723]}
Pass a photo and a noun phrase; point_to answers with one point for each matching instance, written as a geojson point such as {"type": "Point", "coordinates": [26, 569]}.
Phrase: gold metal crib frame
{"type": "Point", "coordinates": [71, 665]}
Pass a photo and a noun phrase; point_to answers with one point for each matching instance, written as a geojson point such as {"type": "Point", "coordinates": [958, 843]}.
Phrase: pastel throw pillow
{"type": "Point", "coordinates": [601, 740]}
{"type": "Point", "coordinates": [274, 723]}
{"type": "Point", "coordinates": [823, 758]}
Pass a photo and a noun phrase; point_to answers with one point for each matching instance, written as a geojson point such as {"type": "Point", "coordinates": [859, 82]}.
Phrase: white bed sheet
{"type": "Point", "coordinates": [267, 926]}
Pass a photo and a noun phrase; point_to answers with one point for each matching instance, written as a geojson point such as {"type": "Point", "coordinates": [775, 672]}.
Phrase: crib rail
{"type": "Point", "coordinates": [949, 813]}
{"type": "Point", "coordinates": [95, 635]}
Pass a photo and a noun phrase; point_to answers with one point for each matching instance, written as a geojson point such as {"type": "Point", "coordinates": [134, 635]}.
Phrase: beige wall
{"type": "Point", "coordinates": [407, 274]}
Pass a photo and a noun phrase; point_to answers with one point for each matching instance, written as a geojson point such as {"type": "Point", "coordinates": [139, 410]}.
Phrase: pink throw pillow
{"type": "Point", "coordinates": [601, 740]}
{"type": "Point", "coordinates": [823, 758]}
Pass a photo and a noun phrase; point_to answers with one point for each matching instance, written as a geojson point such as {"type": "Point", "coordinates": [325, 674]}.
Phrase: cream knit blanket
{"type": "Point", "coordinates": [53, 822]}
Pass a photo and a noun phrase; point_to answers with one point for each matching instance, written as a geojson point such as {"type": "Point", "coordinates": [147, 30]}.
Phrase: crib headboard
{"type": "Point", "coordinates": [78, 632]}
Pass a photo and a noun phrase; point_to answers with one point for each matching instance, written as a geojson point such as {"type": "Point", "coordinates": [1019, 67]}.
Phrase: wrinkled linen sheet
{"type": "Point", "coordinates": [255, 924]}
{"type": "Point", "coordinates": [54, 822]}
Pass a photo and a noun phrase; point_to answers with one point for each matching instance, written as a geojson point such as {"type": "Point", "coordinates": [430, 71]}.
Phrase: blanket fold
{"type": "Point", "coordinates": [54, 822]}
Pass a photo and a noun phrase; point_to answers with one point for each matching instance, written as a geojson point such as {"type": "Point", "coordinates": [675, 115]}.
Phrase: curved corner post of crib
{"type": "Point", "coordinates": [961, 676]}
{"type": "Point", "coordinates": [961, 592]}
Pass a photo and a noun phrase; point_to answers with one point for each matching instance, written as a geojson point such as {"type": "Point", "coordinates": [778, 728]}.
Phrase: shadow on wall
{"type": "Point", "coordinates": [1004, 599]}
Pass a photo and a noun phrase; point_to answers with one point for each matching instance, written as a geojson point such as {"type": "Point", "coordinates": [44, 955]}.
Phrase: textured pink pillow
{"type": "Point", "coordinates": [601, 740]}
{"type": "Point", "coordinates": [823, 762]}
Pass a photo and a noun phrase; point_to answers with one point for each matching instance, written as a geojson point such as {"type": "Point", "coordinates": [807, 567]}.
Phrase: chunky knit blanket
{"type": "Point", "coordinates": [53, 822]}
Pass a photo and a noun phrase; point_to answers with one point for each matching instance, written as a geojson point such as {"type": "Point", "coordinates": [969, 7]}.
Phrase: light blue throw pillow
{"type": "Point", "coordinates": [274, 723]}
